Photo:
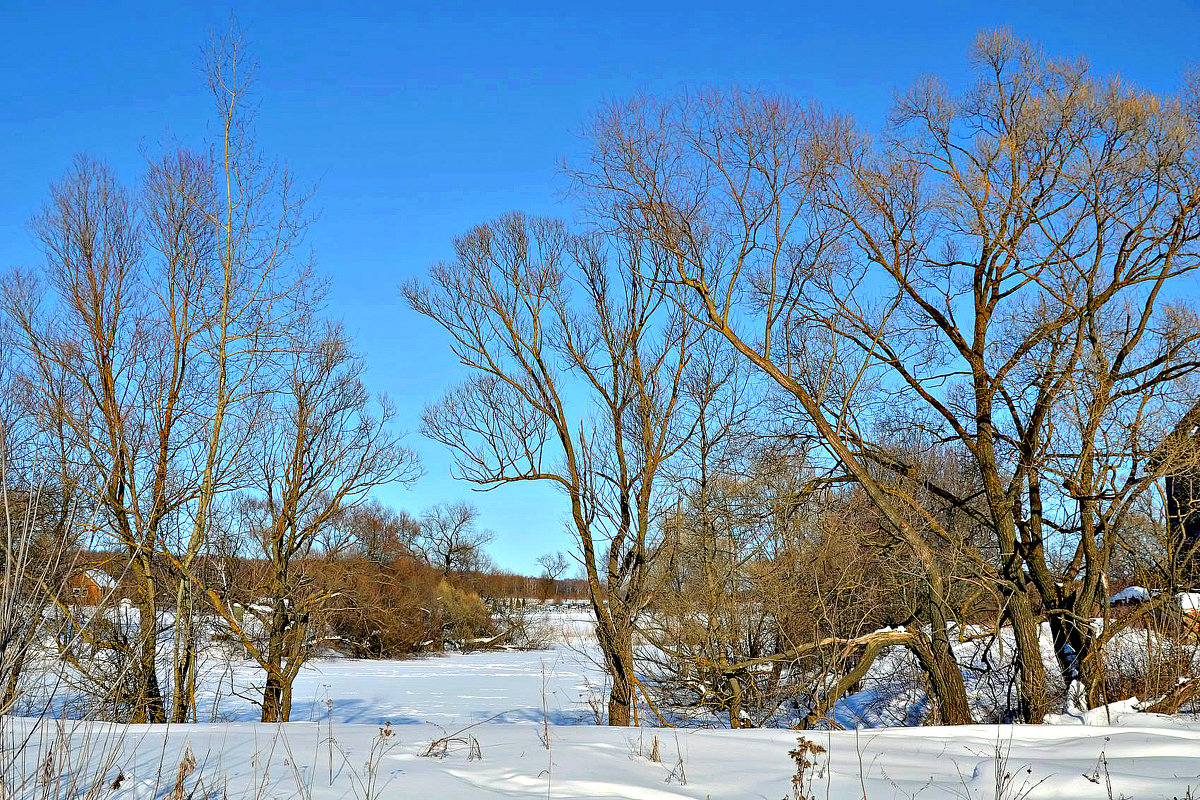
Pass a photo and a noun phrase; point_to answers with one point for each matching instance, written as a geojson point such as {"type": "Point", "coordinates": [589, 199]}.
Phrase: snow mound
{"type": "Point", "coordinates": [1131, 594]}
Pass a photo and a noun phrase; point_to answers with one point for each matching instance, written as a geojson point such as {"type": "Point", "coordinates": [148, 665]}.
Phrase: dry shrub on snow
{"type": "Point", "coordinates": [389, 610]}
{"type": "Point", "coordinates": [464, 615]}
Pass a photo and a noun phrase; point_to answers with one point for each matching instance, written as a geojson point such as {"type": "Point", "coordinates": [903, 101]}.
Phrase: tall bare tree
{"type": "Point", "coordinates": [578, 364]}
{"type": "Point", "coordinates": [320, 451]}
{"type": "Point", "coordinates": [110, 354]}
{"type": "Point", "coordinates": [450, 537]}
{"type": "Point", "coordinates": [145, 344]}
{"type": "Point", "coordinates": [252, 222]}
{"type": "Point", "coordinates": [958, 277]}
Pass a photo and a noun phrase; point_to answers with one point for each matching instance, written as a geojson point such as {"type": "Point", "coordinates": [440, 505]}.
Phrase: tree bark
{"type": "Point", "coordinates": [618, 656]}
{"type": "Point", "coordinates": [1032, 702]}
{"type": "Point", "coordinates": [941, 668]}
{"type": "Point", "coordinates": [184, 690]}
{"type": "Point", "coordinates": [149, 702]}
{"type": "Point", "coordinates": [273, 699]}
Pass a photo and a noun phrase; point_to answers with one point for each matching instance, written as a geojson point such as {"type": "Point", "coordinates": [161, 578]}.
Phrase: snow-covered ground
{"type": "Point", "coordinates": [454, 689]}
{"type": "Point", "coordinates": [1153, 759]}
{"type": "Point", "coordinates": [364, 728]}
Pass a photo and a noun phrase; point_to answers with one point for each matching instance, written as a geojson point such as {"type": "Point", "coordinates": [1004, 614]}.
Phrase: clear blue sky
{"type": "Point", "coordinates": [416, 122]}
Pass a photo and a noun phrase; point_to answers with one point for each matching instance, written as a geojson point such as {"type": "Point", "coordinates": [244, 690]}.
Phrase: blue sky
{"type": "Point", "coordinates": [415, 122]}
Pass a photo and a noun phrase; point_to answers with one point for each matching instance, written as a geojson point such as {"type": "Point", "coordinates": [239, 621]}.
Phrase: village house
{"type": "Point", "coordinates": [88, 587]}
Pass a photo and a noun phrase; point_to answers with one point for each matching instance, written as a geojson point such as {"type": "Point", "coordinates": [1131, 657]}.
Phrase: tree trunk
{"type": "Point", "coordinates": [13, 683]}
{"type": "Point", "coordinates": [149, 702]}
{"type": "Point", "coordinates": [185, 656]}
{"type": "Point", "coordinates": [181, 700]}
{"type": "Point", "coordinates": [735, 702]}
{"type": "Point", "coordinates": [273, 691]}
{"type": "Point", "coordinates": [273, 696]}
{"type": "Point", "coordinates": [1078, 654]}
{"type": "Point", "coordinates": [285, 700]}
{"type": "Point", "coordinates": [618, 656]}
{"type": "Point", "coordinates": [1032, 703]}
{"type": "Point", "coordinates": [941, 668]}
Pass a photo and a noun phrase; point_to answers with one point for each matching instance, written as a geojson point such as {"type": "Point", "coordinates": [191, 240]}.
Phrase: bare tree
{"type": "Point", "coordinates": [143, 348]}
{"type": "Point", "coordinates": [106, 353]}
{"type": "Point", "coordinates": [555, 565]}
{"type": "Point", "coordinates": [246, 220]}
{"type": "Point", "coordinates": [726, 187]}
{"type": "Point", "coordinates": [319, 454]}
{"type": "Point", "coordinates": [995, 267]}
{"type": "Point", "coordinates": [450, 537]}
{"type": "Point", "coordinates": [381, 534]}
{"type": "Point", "coordinates": [578, 365]}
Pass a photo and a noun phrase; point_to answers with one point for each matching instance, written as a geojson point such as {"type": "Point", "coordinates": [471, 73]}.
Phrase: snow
{"type": "Point", "coordinates": [296, 760]}
{"type": "Point", "coordinates": [1131, 594]}
{"type": "Point", "coordinates": [1076, 714]}
{"type": "Point", "coordinates": [450, 690]}
{"type": "Point", "coordinates": [361, 728]}
{"type": "Point", "coordinates": [1187, 601]}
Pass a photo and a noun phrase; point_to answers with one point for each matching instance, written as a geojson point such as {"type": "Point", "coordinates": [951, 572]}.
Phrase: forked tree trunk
{"type": "Point", "coordinates": [277, 698]}
{"type": "Point", "coordinates": [284, 646]}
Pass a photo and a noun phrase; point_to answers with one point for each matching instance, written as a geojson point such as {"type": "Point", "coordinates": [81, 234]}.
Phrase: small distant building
{"type": "Point", "coordinates": [1130, 596]}
{"type": "Point", "coordinates": [88, 587]}
{"type": "Point", "coordinates": [1185, 606]}
{"type": "Point", "coordinates": [1189, 605]}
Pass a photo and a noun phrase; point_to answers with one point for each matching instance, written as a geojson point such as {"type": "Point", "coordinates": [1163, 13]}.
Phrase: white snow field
{"type": "Point", "coordinates": [364, 729]}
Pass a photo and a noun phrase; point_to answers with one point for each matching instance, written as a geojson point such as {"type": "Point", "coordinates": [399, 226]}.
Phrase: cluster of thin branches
{"type": "Point", "coordinates": [186, 434]}
{"type": "Point", "coordinates": [969, 341]}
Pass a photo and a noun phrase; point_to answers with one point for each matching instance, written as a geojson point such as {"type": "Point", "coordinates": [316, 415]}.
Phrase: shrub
{"type": "Point", "coordinates": [386, 610]}
{"type": "Point", "coordinates": [465, 616]}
